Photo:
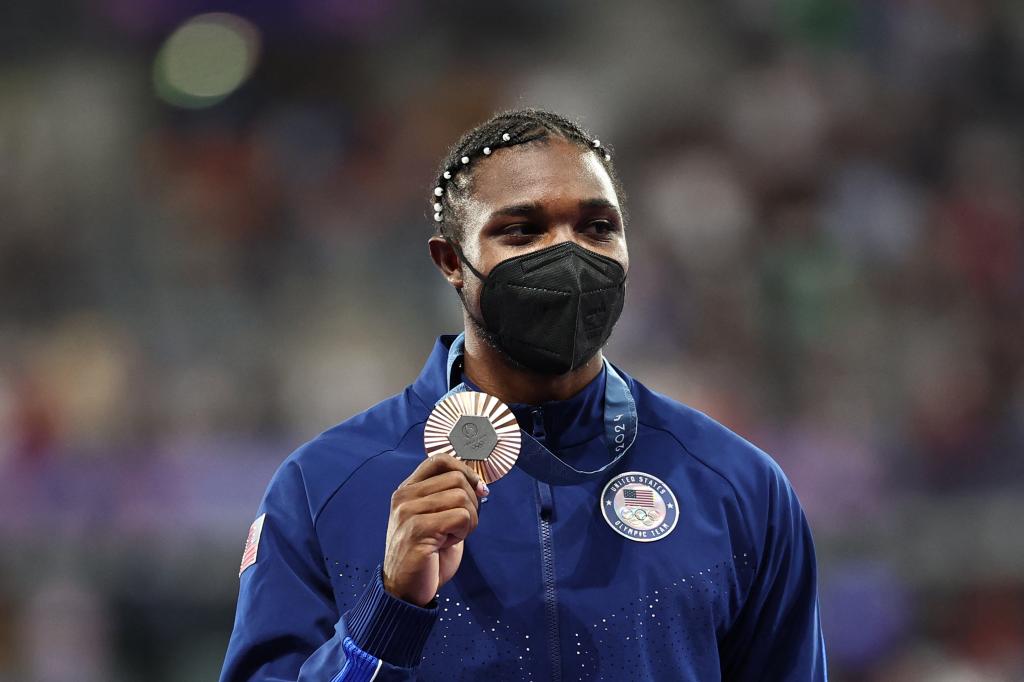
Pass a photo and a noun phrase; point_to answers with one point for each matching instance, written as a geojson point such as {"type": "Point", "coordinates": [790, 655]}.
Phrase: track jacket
{"type": "Point", "coordinates": [687, 559]}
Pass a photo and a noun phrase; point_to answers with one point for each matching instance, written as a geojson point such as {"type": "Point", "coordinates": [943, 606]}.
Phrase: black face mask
{"type": "Point", "coordinates": [551, 310]}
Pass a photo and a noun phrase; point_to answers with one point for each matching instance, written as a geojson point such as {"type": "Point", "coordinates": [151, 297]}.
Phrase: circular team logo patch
{"type": "Point", "coordinates": [639, 506]}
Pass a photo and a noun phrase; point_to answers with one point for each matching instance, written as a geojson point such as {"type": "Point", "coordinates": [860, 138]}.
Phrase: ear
{"type": "Point", "coordinates": [446, 260]}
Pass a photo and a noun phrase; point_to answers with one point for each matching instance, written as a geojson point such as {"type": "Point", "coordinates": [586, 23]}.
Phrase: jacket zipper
{"type": "Point", "coordinates": [546, 510]}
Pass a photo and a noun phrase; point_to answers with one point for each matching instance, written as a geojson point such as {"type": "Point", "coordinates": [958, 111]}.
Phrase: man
{"type": "Point", "coordinates": [635, 539]}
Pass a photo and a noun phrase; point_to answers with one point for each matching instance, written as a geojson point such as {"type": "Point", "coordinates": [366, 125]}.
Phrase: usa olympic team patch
{"type": "Point", "coordinates": [639, 506]}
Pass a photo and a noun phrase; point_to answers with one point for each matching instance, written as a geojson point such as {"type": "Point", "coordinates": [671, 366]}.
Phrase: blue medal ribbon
{"type": "Point", "coordinates": [620, 425]}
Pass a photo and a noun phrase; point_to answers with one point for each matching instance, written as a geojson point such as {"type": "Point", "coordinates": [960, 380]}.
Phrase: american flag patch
{"type": "Point", "coordinates": [252, 544]}
{"type": "Point", "coordinates": [640, 498]}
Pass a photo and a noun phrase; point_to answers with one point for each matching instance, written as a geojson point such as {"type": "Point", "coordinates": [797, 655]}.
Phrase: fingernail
{"type": "Point", "coordinates": [482, 489]}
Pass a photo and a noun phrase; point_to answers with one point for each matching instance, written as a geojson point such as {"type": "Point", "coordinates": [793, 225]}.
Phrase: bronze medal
{"type": "Point", "coordinates": [477, 429]}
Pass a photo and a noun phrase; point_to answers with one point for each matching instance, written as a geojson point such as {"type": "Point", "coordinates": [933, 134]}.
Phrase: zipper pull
{"type": "Point", "coordinates": [547, 501]}
{"type": "Point", "coordinates": [544, 496]}
{"type": "Point", "coordinates": [537, 430]}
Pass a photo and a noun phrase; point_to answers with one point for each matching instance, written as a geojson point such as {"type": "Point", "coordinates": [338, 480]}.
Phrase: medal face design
{"type": "Point", "coordinates": [639, 506]}
{"type": "Point", "coordinates": [476, 428]}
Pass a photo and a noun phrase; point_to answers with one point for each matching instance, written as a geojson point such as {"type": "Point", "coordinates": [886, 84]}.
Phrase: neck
{"type": "Point", "coordinates": [490, 370]}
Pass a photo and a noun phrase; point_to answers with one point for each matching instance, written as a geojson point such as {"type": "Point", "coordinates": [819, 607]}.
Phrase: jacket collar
{"type": "Point", "coordinates": [567, 423]}
{"type": "Point", "coordinates": [432, 383]}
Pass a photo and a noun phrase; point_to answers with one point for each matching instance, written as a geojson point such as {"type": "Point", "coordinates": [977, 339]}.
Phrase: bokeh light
{"type": "Point", "coordinates": [206, 59]}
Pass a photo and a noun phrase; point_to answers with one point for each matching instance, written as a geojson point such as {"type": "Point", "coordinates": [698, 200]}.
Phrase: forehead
{"type": "Point", "coordinates": [546, 172]}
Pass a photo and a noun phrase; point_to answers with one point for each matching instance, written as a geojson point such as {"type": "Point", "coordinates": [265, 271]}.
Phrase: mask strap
{"type": "Point", "coordinates": [482, 278]}
{"type": "Point", "coordinates": [462, 257]}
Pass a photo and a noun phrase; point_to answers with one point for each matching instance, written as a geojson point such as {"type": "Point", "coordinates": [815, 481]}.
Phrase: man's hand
{"type": "Point", "coordinates": [432, 512]}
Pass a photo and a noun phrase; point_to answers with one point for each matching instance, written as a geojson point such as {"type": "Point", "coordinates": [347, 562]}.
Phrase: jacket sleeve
{"type": "Point", "coordinates": [777, 634]}
{"type": "Point", "coordinates": [287, 626]}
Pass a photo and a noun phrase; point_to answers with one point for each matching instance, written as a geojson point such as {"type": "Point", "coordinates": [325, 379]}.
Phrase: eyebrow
{"type": "Point", "coordinates": [533, 207]}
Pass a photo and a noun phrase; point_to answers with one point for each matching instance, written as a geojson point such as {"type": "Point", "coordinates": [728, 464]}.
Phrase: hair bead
{"type": "Point", "coordinates": [487, 151]}
{"type": "Point", "coordinates": [437, 206]}
{"type": "Point", "coordinates": [437, 217]}
{"type": "Point", "coordinates": [465, 160]}
{"type": "Point", "coordinates": [438, 191]}
{"type": "Point", "coordinates": [597, 143]}
{"type": "Point", "coordinates": [607, 156]}
{"type": "Point", "coordinates": [447, 175]}
{"type": "Point", "coordinates": [506, 137]}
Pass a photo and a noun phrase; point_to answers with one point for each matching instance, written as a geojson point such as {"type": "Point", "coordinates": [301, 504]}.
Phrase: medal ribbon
{"type": "Point", "coordinates": [620, 426]}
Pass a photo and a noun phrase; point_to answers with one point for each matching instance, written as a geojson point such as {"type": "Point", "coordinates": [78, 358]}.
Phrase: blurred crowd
{"type": "Point", "coordinates": [826, 225]}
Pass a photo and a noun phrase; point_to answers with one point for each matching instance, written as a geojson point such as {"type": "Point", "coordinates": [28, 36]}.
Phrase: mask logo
{"type": "Point", "coordinates": [639, 506]}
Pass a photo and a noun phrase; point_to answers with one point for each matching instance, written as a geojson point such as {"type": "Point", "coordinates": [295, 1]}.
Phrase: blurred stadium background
{"type": "Point", "coordinates": [212, 235]}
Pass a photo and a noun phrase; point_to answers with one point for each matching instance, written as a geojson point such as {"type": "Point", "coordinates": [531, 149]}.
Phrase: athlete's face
{"type": "Point", "coordinates": [529, 197]}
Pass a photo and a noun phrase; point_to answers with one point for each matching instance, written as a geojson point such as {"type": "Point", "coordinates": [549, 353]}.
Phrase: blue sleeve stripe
{"type": "Point", "coordinates": [359, 665]}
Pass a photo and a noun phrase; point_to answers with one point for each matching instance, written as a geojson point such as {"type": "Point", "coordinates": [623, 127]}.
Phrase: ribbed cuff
{"type": "Point", "coordinates": [389, 628]}
{"type": "Point", "coordinates": [359, 665]}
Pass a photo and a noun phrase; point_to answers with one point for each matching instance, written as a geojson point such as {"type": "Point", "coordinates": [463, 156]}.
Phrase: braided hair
{"type": "Point", "coordinates": [504, 129]}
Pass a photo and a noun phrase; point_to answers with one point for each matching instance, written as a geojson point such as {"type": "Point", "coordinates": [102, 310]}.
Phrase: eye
{"type": "Point", "coordinates": [601, 228]}
{"type": "Point", "coordinates": [519, 230]}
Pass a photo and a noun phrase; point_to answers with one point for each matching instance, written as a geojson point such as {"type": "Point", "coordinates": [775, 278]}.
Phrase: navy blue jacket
{"type": "Point", "coordinates": [546, 590]}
